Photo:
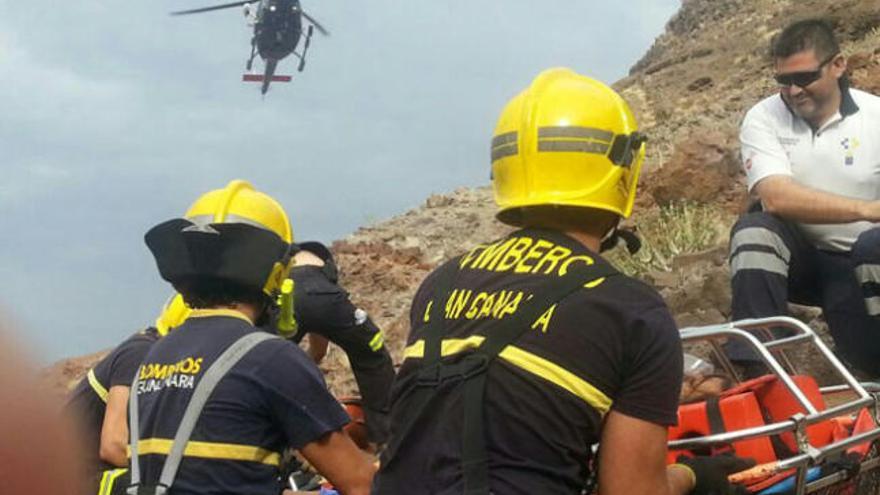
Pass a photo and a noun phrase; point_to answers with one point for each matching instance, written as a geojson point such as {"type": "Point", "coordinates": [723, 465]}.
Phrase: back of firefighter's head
{"type": "Point", "coordinates": [566, 154]}
{"type": "Point", "coordinates": [232, 246]}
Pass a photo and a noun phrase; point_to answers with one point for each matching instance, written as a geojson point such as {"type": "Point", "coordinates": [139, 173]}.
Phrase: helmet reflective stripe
{"type": "Point", "coordinates": [504, 145]}
{"type": "Point", "coordinates": [575, 132]}
{"type": "Point", "coordinates": [577, 139]}
{"type": "Point", "coordinates": [573, 145]}
{"type": "Point", "coordinates": [205, 220]}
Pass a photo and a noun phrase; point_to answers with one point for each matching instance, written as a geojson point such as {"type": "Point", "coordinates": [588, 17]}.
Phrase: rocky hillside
{"type": "Point", "coordinates": [692, 87]}
{"type": "Point", "coordinates": [689, 91]}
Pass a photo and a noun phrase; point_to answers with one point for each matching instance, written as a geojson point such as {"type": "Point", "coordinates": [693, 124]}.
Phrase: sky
{"type": "Point", "coordinates": [115, 116]}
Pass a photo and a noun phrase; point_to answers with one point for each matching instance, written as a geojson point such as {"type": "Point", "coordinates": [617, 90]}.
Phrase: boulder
{"type": "Point", "coordinates": [704, 168]}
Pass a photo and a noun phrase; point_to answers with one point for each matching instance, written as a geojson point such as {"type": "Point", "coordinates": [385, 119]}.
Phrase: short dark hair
{"type": "Point", "coordinates": [815, 34]}
{"type": "Point", "coordinates": [559, 217]}
{"type": "Point", "coordinates": [209, 292]}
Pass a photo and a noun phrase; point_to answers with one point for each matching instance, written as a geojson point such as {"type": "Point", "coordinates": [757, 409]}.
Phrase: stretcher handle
{"type": "Point", "coordinates": [755, 473]}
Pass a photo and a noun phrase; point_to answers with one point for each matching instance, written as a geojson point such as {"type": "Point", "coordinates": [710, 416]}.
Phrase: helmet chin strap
{"type": "Point", "coordinates": [633, 243]}
{"type": "Point", "coordinates": [264, 318]}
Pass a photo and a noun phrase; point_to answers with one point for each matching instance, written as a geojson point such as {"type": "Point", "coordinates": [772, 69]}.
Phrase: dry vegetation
{"type": "Point", "coordinates": [670, 231]}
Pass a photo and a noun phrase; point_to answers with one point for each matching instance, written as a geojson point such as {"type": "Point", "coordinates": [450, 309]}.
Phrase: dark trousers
{"type": "Point", "coordinates": [772, 263]}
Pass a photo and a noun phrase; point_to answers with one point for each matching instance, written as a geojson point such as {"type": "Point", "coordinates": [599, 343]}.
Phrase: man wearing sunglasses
{"type": "Point", "coordinates": [812, 157]}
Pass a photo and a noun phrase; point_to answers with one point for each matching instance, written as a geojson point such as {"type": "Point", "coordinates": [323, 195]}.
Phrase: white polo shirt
{"type": "Point", "coordinates": [843, 157]}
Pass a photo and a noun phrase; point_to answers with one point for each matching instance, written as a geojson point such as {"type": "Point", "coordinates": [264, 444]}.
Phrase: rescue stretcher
{"type": "Point", "coordinates": [807, 439]}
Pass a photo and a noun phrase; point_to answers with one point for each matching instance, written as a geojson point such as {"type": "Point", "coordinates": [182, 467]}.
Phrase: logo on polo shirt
{"type": "Point", "coordinates": [849, 145]}
{"type": "Point", "coordinates": [156, 376]}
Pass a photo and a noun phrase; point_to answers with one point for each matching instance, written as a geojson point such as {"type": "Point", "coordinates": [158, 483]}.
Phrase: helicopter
{"type": "Point", "coordinates": [278, 27]}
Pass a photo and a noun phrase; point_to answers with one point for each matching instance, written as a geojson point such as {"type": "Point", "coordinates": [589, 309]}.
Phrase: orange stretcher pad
{"type": "Point", "coordinates": [758, 402]}
{"type": "Point", "coordinates": [737, 412]}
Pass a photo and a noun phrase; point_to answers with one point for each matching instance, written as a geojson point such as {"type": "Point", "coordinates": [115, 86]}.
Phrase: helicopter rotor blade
{"type": "Point", "coordinates": [315, 23]}
{"type": "Point", "coordinates": [214, 7]}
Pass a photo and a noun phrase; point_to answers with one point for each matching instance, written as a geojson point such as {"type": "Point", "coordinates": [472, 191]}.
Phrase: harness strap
{"type": "Point", "coordinates": [434, 330]}
{"type": "Point", "coordinates": [133, 429]}
{"type": "Point", "coordinates": [713, 414]}
{"type": "Point", "coordinates": [471, 369]}
{"type": "Point", "coordinates": [436, 327]}
{"type": "Point", "coordinates": [475, 458]}
{"type": "Point", "coordinates": [503, 332]}
{"type": "Point", "coordinates": [202, 393]}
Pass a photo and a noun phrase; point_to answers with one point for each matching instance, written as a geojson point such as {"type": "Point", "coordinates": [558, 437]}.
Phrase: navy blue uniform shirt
{"type": "Point", "coordinates": [274, 398]}
{"type": "Point", "coordinates": [88, 401]}
{"type": "Point", "coordinates": [612, 345]}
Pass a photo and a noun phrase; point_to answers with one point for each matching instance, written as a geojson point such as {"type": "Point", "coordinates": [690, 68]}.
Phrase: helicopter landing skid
{"type": "Point", "coordinates": [250, 62]}
{"type": "Point", "coordinates": [302, 58]}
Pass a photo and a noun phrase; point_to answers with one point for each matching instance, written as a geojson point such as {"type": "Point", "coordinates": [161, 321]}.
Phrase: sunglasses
{"type": "Point", "coordinates": [804, 78]}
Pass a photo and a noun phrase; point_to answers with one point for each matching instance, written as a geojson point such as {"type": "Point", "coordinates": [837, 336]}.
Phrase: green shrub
{"type": "Point", "coordinates": [667, 232]}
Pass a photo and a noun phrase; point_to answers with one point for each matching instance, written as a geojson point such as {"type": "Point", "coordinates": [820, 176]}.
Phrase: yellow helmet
{"type": "Point", "coordinates": [567, 140]}
{"type": "Point", "coordinates": [239, 202]}
{"type": "Point", "coordinates": [236, 233]}
{"type": "Point", "coordinates": [174, 313]}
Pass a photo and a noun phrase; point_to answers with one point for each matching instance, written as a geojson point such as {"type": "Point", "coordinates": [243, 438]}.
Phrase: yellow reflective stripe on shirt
{"type": "Point", "coordinates": [212, 450]}
{"type": "Point", "coordinates": [447, 347]}
{"type": "Point", "coordinates": [526, 361]}
{"type": "Point", "coordinates": [96, 385]}
{"type": "Point", "coordinates": [377, 341]}
{"type": "Point", "coordinates": [552, 372]}
{"type": "Point", "coordinates": [204, 313]}
{"type": "Point", "coordinates": [108, 479]}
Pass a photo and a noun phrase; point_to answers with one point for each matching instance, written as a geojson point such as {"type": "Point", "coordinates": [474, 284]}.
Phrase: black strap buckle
{"type": "Point", "coordinates": [625, 147]}
{"type": "Point", "coordinates": [467, 367]}
{"type": "Point", "coordinates": [143, 489]}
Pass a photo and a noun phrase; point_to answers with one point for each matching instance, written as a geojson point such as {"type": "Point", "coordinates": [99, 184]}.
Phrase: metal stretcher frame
{"type": "Point", "coordinates": [772, 353]}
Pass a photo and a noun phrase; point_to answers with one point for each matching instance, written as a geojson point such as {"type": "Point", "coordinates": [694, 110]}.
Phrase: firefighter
{"type": "Point", "coordinates": [99, 401]}
{"type": "Point", "coordinates": [325, 313]}
{"type": "Point", "coordinates": [527, 350]}
{"type": "Point", "coordinates": [217, 401]}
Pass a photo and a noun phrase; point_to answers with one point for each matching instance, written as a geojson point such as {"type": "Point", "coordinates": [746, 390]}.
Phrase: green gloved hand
{"type": "Point", "coordinates": [710, 473]}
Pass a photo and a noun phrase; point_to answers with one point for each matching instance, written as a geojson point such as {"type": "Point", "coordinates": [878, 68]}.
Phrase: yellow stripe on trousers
{"type": "Point", "coordinates": [108, 479]}
{"type": "Point", "coordinates": [377, 341]}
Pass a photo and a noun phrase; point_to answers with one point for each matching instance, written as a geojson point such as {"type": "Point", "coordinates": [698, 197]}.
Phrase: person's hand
{"type": "Point", "coordinates": [710, 473]}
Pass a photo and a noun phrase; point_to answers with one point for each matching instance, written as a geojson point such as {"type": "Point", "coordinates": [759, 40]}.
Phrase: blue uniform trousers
{"type": "Point", "coordinates": [772, 263]}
